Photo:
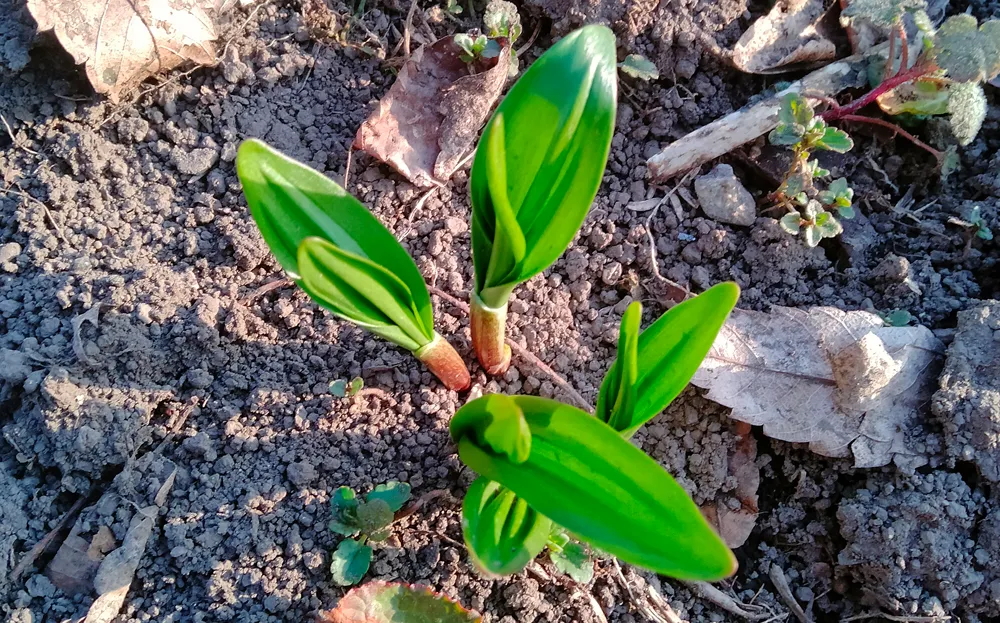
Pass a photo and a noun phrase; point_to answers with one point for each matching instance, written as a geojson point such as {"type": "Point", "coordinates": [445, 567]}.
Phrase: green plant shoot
{"type": "Point", "coordinates": [654, 366]}
{"type": "Point", "coordinates": [369, 520]}
{"type": "Point", "coordinates": [536, 172]}
{"type": "Point", "coordinates": [502, 533]}
{"type": "Point", "coordinates": [583, 475]}
{"type": "Point", "coordinates": [343, 257]}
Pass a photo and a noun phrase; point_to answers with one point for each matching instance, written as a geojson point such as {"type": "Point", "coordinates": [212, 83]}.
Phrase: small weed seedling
{"type": "Point", "coordinates": [501, 19]}
{"type": "Point", "coordinates": [638, 66]}
{"type": "Point", "coordinates": [367, 519]}
{"type": "Point", "coordinates": [476, 47]}
{"type": "Point", "coordinates": [944, 78]}
{"type": "Point", "coordinates": [343, 257]}
{"type": "Point", "coordinates": [347, 389]}
{"type": "Point", "coordinates": [549, 470]}
{"type": "Point", "coordinates": [803, 132]}
{"type": "Point", "coordinates": [897, 318]}
{"type": "Point", "coordinates": [452, 7]}
{"type": "Point", "coordinates": [536, 172]}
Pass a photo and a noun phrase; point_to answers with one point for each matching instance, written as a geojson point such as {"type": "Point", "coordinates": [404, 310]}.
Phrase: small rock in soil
{"type": "Point", "coordinates": [723, 197]}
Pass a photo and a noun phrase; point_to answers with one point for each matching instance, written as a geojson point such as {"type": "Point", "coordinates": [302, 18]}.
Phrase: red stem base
{"type": "Point", "coordinates": [443, 360]}
{"type": "Point", "coordinates": [489, 326]}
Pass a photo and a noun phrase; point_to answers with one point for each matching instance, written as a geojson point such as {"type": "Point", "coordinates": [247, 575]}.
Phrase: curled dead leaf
{"type": "Point", "coordinates": [122, 42]}
{"type": "Point", "coordinates": [793, 35]}
{"type": "Point", "coordinates": [426, 124]}
{"type": "Point", "coordinates": [734, 514]}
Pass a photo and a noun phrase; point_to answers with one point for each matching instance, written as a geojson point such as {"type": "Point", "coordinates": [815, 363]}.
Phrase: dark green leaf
{"type": "Point", "coordinates": [502, 533]}
{"type": "Point", "coordinates": [374, 515]}
{"type": "Point", "coordinates": [586, 477]}
{"type": "Point", "coordinates": [541, 160]}
{"type": "Point", "coordinates": [835, 140]}
{"type": "Point", "coordinates": [382, 602]}
{"type": "Point", "coordinates": [664, 358]}
{"type": "Point", "coordinates": [350, 562]}
{"type": "Point", "coordinates": [344, 510]}
{"type": "Point", "coordinates": [394, 493]}
{"type": "Point", "coordinates": [363, 292]}
{"type": "Point", "coordinates": [786, 134]}
{"type": "Point", "coordinates": [574, 561]}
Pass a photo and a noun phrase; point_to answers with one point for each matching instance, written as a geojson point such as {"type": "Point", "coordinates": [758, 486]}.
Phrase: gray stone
{"type": "Point", "coordinates": [197, 162]}
{"type": "Point", "coordinates": [724, 199]}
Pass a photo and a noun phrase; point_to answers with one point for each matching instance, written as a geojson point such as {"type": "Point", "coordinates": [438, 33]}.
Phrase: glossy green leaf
{"type": "Point", "coordinates": [350, 562]}
{"type": "Point", "coordinates": [363, 292]}
{"type": "Point", "coordinates": [659, 363]}
{"type": "Point", "coordinates": [291, 202]}
{"type": "Point", "coordinates": [836, 140]}
{"type": "Point", "coordinates": [502, 533]}
{"type": "Point", "coordinates": [344, 510]}
{"type": "Point", "coordinates": [584, 476]}
{"type": "Point", "coordinates": [383, 602]}
{"type": "Point", "coordinates": [393, 492]}
{"type": "Point", "coordinates": [541, 160]}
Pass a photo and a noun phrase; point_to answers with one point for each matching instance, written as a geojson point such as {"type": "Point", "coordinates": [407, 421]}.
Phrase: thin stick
{"type": "Point", "coordinates": [524, 354]}
{"type": "Point", "coordinates": [654, 263]}
{"type": "Point", "coordinates": [727, 603]}
{"type": "Point", "coordinates": [642, 605]}
{"type": "Point", "coordinates": [406, 31]}
{"type": "Point", "coordinates": [895, 128]}
{"type": "Point", "coordinates": [347, 169]}
{"type": "Point", "coordinates": [777, 576]}
{"type": "Point", "coordinates": [941, 618]}
{"type": "Point", "coordinates": [524, 48]}
{"type": "Point", "coordinates": [34, 552]}
{"type": "Point", "coordinates": [264, 289]}
{"type": "Point", "coordinates": [14, 140]}
{"type": "Point", "coordinates": [904, 52]}
{"type": "Point", "coordinates": [890, 62]}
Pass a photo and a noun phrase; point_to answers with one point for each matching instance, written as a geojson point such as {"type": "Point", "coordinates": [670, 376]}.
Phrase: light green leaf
{"type": "Point", "coordinates": [338, 388]}
{"type": "Point", "coordinates": [350, 562]}
{"type": "Point", "coordinates": [830, 227]}
{"type": "Point", "coordinates": [791, 222]}
{"type": "Point", "coordinates": [795, 184]}
{"type": "Point", "coordinates": [584, 476]}
{"type": "Point", "coordinates": [923, 97]}
{"type": "Point", "coordinates": [638, 66]}
{"type": "Point", "coordinates": [344, 510]}
{"type": "Point", "coordinates": [574, 561]}
{"type": "Point", "coordinates": [356, 385]}
{"type": "Point", "coordinates": [660, 363]}
{"type": "Point", "coordinates": [394, 493]}
{"type": "Point", "coordinates": [363, 292]}
{"type": "Point", "coordinates": [839, 187]}
{"type": "Point", "coordinates": [383, 602]}
{"type": "Point", "coordinates": [502, 533]}
{"type": "Point", "coordinates": [501, 19]}
{"type": "Point", "coordinates": [966, 51]}
{"type": "Point", "coordinates": [795, 110]}
{"type": "Point", "coordinates": [786, 135]}
{"type": "Point", "coordinates": [541, 160]}
{"type": "Point", "coordinates": [967, 107]}
{"type": "Point", "coordinates": [813, 235]}
{"type": "Point", "coordinates": [897, 318]}
{"type": "Point", "coordinates": [882, 13]}
{"type": "Point", "coordinates": [374, 515]}
{"type": "Point", "coordinates": [845, 211]}
{"type": "Point", "coordinates": [836, 140]}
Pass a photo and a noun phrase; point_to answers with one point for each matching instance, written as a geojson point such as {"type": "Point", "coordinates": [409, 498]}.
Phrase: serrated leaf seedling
{"type": "Point", "coordinates": [975, 224]}
{"type": "Point", "coordinates": [638, 66]}
{"type": "Point", "coordinates": [536, 172]}
{"type": "Point", "coordinates": [385, 602]}
{"type": "Point", "coordinates": [476, 47]}
{"type": "Point", "coordinates": [368, 520]}
{"type": "Point", "coordinates": [343, 257]}
{"type": "Point", "coordinates": [501, 19]}
{"type": "Point", "coordinates": [548, 469]}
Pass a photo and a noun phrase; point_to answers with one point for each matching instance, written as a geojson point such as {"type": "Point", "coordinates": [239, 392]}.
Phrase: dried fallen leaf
{"type": "Point", "coordinates": [795, 34]}
{"type": "Point", "coordinates": [839, 381]}
{"type": "Point", "coordinates": [122, 42]}
{"type": "Point", "coordinates": [426, 124]}
{"type": "Point", "coordinates": [734, 514]}
{"type": "Point", "coordinates": [76, 561]}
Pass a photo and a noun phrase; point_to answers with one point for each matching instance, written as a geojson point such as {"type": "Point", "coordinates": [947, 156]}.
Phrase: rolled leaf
{"type": "Point", "coordinates": [584, 476]}
{"type": "Point", "coordinates": [541, 160]}
{"type": "Point", "coordinates": [502, 533]}
{"type": "Point", "coordinates": [653, 370]}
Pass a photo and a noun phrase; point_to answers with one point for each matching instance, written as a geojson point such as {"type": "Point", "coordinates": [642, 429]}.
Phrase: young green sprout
{"type": "Point", "coordinates": [536, 172]}
{"type": "Point", "coordinates": [369, 520]}
{"type": "Point", "coordinates": [343, 257]}
{"type": "Point", "coordinates": [476, 48]}
{"type": "Point", "coordinates": [548, 468]}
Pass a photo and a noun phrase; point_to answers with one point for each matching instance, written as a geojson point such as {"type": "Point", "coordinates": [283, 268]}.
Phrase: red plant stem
{"type": "Point", "coordinates": [896, 129]}
{"type": "Point", "coordinates": [901, 78]}
{"type": "Point", "coordinates": [443, 360]}
{"type": "Point", "coordinates": [488, 326]}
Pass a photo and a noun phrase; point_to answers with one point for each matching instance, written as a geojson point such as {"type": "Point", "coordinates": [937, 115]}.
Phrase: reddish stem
{"type": "Point", "coordinates": [904, 51]}
{"type": "Point", "coordinates": [488, 326]}
{"type": "Point", "coordinates": [896, 129]}
{"type": "Point", "coordinates": [890, 61]}
{"type": "Point", "coordinates": [903, 77]}
{"type": "Point", "coordinates": [443, 360]}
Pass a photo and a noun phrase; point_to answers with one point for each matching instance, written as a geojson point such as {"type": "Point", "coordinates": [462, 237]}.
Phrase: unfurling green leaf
{"type": "Point", "coordinates": [393, 492]}
{"type": "Point", "coordinates": [501, 19]}
{"type": "Point", "coordinates": [584, 476]}
{"type": "Point", "coordinates": [654, 366]}
{"type": "Point", "coordinates": [383, 602]}
{"type": "Point", "coordinates": [638, 66]}
{"type": "Point", "coordinates": [502, 533]}
{"type": "Point", "coordinates": [344, 510]}
{"type": "Point", "coordinates": [882, 13]}
{"type": "Point", "coordinates": [574, 561]}
{"type": "Point", "coordinates": [350, 562]}
{"type": "Point", "coordinates": [540, 161]}
{"type": "Point", "coordinates": [966, 51]}
{"type": "Point", "coordinates": [834, 139]}
{"type": "Point", "coordinates": [967, 107]}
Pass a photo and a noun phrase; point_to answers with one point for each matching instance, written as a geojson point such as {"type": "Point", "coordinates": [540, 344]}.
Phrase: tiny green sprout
{"type": "Point", "coordinates": [570, 557]}
{"type": "Point", "coordinates": [341, 388]}
{"type": "Point", "coordinates": [839, 195]}
{"type": "Point", "coordinates": [816, 222]}
{"type": "Point", "coordinates": [343, 257]}
{"type": "Point", "coordinates": [638, 66]}
{"type": "Point", "coordinates": [453, 7]}
{"type": "Point", "coordinates": [801, 130]}
{"type": "Point", "coordinates": [474, 49]}
{"type": "Point", "coordinates": [369, 520]}
{"type": "Point", "coordinates": [813, 169]}
{"type": "Point", "coordinates": [977, 223]}
{"type": "Point", "coordinates": [897, 318]}
{"type": "Point", "coordinates": [501, 19]}
{"type": "Point", "coordinates": [536, 172]}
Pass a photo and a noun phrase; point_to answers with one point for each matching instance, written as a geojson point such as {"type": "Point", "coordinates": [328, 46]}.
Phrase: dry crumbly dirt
{"type": "Point", "coordinates": [192, 393]}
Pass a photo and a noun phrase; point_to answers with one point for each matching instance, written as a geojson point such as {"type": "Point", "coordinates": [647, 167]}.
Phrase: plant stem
{"type": "Point", "coordinates": [919, 70]}
{"type": "Point", "coordinates": [441, 358]}
{"type": "Point", "coordinates": [890, 59]}
{"type": "Point", "coordinates": [896, 129]}
{"type": "Point", "coordinates": [488, 325]}
{"type": "Point", "coordinates": [904, 51]}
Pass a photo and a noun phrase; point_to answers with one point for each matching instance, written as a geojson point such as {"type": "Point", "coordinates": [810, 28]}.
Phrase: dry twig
{"type": "Point", "coordinates": [781, 583]}
{"type": "Point", "coordinates": [727, 603]}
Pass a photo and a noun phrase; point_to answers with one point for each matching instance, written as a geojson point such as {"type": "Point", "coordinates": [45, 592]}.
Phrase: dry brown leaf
{"type": "Point", "coordinates": [426, 124]}
{"type": "Point", "coordinates": [122, 42]}
{"type": "Point", "coordinates": [76, 561]}
{"type": "Point", "coordinates": [734, 514]}
{"type": "Point", "coordinates": [839, 381]}
{"type": "Point", "coordinates": [795, 34]}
